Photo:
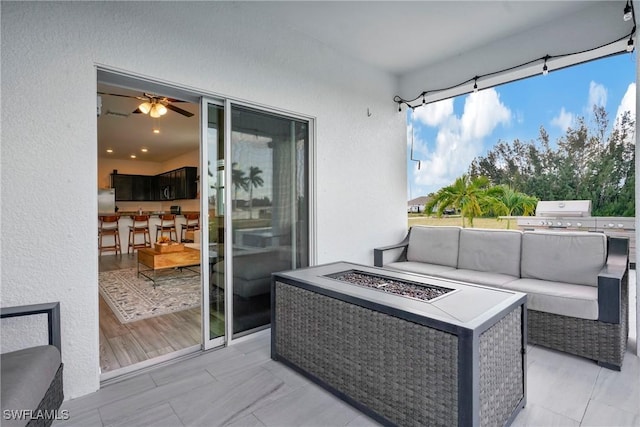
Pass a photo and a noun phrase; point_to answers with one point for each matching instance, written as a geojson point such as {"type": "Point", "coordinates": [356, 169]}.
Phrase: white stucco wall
{"type": "Point", "coordinates": [49, 53]}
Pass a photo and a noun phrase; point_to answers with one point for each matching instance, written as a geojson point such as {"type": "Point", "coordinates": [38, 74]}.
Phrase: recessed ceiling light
{"type": "Point", "coordinates": [144, 150]}
{"type": "Point", "coordinates": [109, 150]}
{"type": "Point", "coordinates": [156, 131]}
{"type": "Point", "coordinates": [133, 156]}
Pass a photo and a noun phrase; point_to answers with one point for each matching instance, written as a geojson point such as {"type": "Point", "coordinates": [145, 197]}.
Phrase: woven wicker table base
{"type": "Point", "coordinates": [416, 371]}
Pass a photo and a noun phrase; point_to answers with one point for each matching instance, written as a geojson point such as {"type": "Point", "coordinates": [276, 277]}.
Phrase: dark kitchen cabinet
{"type": "Point", "coordinates": [165, 186]}
{"type": "Point", "coordinates": [141, 190]}
{"type": "Point", "coordinates": [186, 183]}
{"type": "Point", "coordinates": [179, 184]}
{"type": "Point", "coordinates": [176, 184]}
{"type": "Point", "coordinates": [123, 184]}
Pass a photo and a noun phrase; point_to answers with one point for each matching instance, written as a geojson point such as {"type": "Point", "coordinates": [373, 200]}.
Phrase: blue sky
{"type": "Point", "coordinates": [449, 134]}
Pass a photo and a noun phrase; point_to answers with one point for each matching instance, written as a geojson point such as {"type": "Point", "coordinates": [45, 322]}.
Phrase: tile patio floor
{"type": "Point", "coordinates": [241, 386]}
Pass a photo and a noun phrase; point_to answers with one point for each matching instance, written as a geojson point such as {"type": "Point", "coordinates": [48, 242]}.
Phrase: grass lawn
{"type": "Point", "coordinates": [456, 220]}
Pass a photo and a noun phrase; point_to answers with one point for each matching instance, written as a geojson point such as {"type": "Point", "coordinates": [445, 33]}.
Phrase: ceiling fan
{"type": "Point", "coordinates": [154, 105]}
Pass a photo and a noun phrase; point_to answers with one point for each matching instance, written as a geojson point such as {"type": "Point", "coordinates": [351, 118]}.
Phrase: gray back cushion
{"type": "Point", "coordinates": [571, 257]}
{"type": "Point", "coordinates": [497, 251]}
{"type": "Point", "coordinates": [434, 245]}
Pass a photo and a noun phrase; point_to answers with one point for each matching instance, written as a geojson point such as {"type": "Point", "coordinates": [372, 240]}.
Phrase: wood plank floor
{"type": "Point", "coordinates": [122, 345]}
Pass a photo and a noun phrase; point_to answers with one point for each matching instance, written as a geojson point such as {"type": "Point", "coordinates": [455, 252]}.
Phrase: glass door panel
{"type": "Point", "coordinates": [269, 196]}
{"type": "Point", "coordinates": [213, 233]}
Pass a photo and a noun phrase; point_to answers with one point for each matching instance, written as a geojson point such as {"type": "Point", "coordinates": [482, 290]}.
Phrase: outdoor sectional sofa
{"type": "Point", "coordinates": [576, 282]}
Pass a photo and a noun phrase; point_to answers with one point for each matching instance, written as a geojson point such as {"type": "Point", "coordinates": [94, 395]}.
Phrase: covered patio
{"type": "Point", "coordinates": [352, 69]}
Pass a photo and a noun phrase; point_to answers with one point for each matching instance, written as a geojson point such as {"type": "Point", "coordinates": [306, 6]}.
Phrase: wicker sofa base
{"type": "Point", "coordinates": [50, 403]}
{"type": "Point", "coordinates": [603, 342]}
{"type": "Point", "coordinates": [606, 343]}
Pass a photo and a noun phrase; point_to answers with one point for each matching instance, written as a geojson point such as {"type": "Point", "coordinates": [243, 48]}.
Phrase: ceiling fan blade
{"type": "Point", "coordinates": [136, 111]}
{"type": "Point", "coordinates": [178, 110]}
{"type": "Point", "coordinates": [116, 94]}
{"type": "Point", "coordinates": [141, 98]}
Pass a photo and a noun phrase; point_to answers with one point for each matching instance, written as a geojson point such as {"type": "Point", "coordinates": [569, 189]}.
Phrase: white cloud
{"type": "Point", "coordinates": [483, 111]}
{"type": "Point", "coordinates": [628, 102]}
{"type": "Point", "coordinates": [460, 139]}
{"type": "Point", "coordinates": [564, 120]}
{"type": "Point", "coordinates": [597, 95]}
{"type": "Point", "coordinates": [435, 113]}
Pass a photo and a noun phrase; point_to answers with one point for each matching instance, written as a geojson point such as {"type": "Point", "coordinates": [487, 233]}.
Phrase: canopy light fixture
{"type": "Point", "coordinates": [628, 12]}
{"type": "Point", "coordinates": [545, 68]}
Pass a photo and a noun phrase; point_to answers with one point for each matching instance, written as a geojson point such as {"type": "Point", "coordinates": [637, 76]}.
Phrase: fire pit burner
{"type": "Point", "coordinates": [394, 286]}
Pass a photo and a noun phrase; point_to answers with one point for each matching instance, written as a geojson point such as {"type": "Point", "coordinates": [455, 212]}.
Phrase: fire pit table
{"type": "Point", "coordinates": [405, 349]}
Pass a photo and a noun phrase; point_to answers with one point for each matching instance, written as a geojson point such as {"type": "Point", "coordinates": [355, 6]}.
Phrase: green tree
{"type": "Point", "coordinates": [590, 161]}
{"type": "Point", "coordinates": [239, 181]}
{"type": "Point", "coordinates": [467, 194]}
{"type": "Point", "coordinates": [504, 200]}
{"type": "Point", "coordinates": [254, 180]}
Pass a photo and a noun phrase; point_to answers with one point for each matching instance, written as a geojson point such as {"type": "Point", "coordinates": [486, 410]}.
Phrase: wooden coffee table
{"type": "Point", "coordinates": [157, 261]}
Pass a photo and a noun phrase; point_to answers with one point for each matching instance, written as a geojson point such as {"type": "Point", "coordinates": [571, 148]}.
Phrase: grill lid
{"type": "Point", "coordinates": [564, 208]}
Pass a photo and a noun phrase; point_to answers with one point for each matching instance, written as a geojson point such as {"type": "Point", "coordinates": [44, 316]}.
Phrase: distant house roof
{"type": "Point", "coordinates": [418, 201]}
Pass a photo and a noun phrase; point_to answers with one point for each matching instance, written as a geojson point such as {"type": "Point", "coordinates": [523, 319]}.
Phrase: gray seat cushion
{"type": "Point", "coordinates": [26, 377]}
{"type": "Point", "coordinates": [419, 267]}
{"type": "Point", "coordinates": [496, 251]}
{"type": "Point", "coordinates": [565, 299]}
{"type": "Point", "coordinates": [486, 278]}
{"type": "Point", "coordinates": [564, 257]}
{"type": "Point", "coordinates": [434, 245]}
{"type": "Point", "coordinates": [252, 272]}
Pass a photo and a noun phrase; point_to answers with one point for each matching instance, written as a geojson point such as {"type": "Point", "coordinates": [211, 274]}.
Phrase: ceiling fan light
{"type": "Point", "coordinates": [154, 111]}
{"type": "Point", "coordinates": [145, 107]}
{"type": "Point", "coordinates": [162, 110]}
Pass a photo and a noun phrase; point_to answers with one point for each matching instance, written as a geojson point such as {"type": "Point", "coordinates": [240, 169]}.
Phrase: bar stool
{"type": "Point", "coordinates": [140, 226]}
{"type": "Point", "coordinates": [192, 224]}
{"type": "Point", "coordinates": [109, 227]}
{"type": "Point", "coordinates": [167, 225]}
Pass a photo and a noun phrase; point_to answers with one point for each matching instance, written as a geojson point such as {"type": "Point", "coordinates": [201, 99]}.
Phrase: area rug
{"type": "Point", "coordinates": [134, 298]}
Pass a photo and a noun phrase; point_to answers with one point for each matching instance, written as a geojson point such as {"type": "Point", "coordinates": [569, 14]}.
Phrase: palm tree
{"type": "Point", "coordinates": [239, 181]}
{"type": "Point", "coordinates": [254, 180]}
{"type": "Point", "coordinates": [504, 200]}
{"type": "Point", "coordinates": [466, 194]}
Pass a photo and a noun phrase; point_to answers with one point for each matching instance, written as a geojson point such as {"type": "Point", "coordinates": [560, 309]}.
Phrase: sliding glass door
{"type": "Point", "coordinates": [213, 235]}
{"type": "Point", "coordinates": [269, 209]}
{"type": "Point", "coordinates": [257, 200]}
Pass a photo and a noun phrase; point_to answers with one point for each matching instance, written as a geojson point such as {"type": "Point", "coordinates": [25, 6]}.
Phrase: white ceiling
{"type": "Point", "coordinates": [425, 44]}
{"type": "Point", "coordinates": [402, 36]}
